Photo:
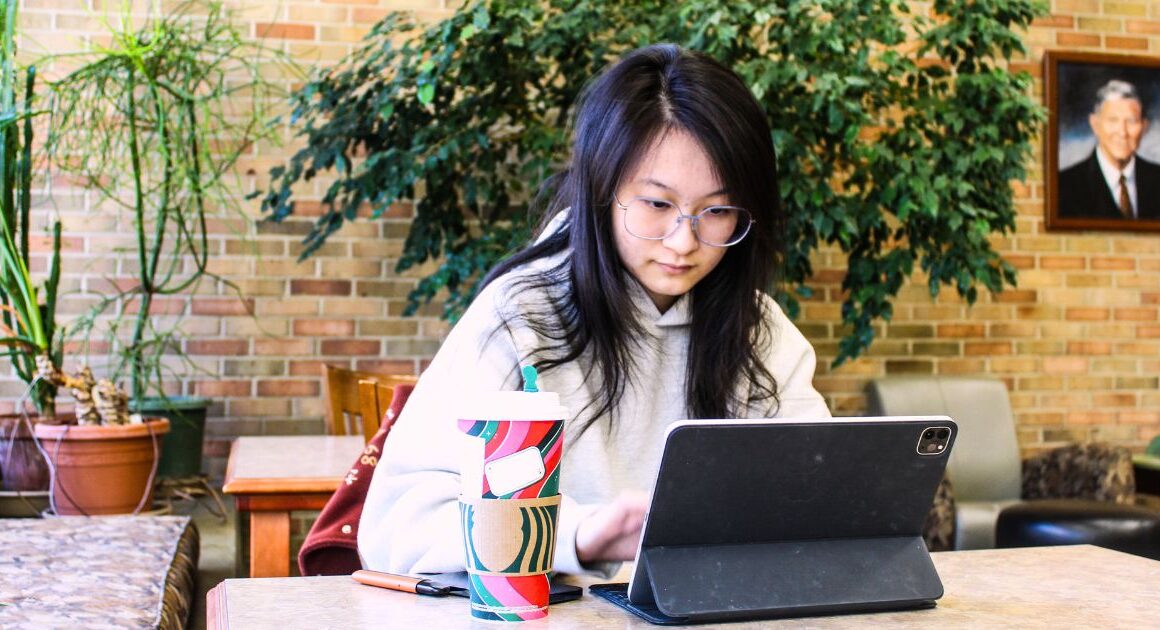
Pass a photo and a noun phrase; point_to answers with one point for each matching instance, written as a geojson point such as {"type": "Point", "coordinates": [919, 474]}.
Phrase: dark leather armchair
{"type": "Point", "coordinates": [985, 465]}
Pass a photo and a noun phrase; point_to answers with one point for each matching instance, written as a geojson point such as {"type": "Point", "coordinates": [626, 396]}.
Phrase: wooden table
{"type": "Point", "coordinates": [1042, 587]}
{"type": "Point", "coordinates": [269, 476]}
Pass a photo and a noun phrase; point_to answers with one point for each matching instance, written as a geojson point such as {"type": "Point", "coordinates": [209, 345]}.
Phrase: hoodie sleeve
{"type": "Point", "coordinates": [410, 521]}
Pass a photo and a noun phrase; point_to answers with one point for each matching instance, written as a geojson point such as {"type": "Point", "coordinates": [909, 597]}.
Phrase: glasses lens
{"type": "Point", "coordinates": [646, 217]}
{"type": "Point", "coordinates": [722, 225]}
{"type": "Point", "coordinates": [650, 218]}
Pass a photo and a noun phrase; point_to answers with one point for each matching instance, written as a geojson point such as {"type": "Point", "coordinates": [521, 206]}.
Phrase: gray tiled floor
{"type": "Point", "coordinates": [217, 551]}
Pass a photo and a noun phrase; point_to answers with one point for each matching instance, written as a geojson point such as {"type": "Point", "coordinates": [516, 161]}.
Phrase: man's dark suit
{"type": "Point", "coordinates": [1084, 193]}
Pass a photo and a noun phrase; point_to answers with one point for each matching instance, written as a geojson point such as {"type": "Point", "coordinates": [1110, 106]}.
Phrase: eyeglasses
{"type": "Point", "coordinates": [657, 219]}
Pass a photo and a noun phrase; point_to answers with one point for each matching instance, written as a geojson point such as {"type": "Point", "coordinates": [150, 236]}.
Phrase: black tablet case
{"type": "Point", "coordinates": [768, 519]}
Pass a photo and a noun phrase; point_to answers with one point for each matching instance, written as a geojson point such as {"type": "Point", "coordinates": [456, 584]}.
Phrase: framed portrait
{"type": "Point", "coordinates": [1103, 141]}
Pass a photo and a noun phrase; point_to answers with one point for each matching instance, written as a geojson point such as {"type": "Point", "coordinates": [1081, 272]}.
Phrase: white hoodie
{"type": "Point", "coordinates": [410, 523]}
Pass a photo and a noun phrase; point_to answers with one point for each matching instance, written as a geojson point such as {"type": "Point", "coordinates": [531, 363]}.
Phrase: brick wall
{"type": "Point", "coordinates": [1078, 342]}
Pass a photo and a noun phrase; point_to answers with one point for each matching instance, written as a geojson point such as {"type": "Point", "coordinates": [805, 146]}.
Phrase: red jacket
{"type": "Point", "coordinates": [331, 547]}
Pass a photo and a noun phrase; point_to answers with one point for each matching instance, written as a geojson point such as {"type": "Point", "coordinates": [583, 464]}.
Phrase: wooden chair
{"type": "Point", "coordinates": [374, 399]}
{"type": "Point", "coordinates": [350, 411]}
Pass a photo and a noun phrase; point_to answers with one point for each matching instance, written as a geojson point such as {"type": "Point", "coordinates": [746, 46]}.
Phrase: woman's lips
{"type": "Point", "coordinates": [674, 269]}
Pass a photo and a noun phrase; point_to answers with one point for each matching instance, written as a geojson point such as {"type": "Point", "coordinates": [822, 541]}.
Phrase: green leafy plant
{"type": "Point", "coordinates": [154, 122]}
{"type": "Point", "coordinates": [28, 330]}
{"type": "Point", "coordinates": [898, 133]}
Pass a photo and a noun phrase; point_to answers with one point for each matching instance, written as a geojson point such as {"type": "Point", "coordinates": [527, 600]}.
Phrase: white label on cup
{"type": "Point", "coordinates": [514, 472]}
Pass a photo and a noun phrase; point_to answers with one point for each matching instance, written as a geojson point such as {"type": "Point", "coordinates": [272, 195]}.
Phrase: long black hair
{"type": "Point", "coordinates": [620, 116]}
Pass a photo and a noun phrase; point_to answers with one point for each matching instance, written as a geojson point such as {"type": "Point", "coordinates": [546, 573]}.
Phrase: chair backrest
{"type": "Point", "coordinates": [344, 407]}
{"type": "Point", "coordinates": [374, 398]}
{"type": "Point", "coordinates": [985, 463]}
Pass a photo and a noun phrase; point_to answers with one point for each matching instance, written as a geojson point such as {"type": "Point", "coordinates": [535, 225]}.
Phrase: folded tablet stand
{"type": "Point", "coordinates": [790, 578]}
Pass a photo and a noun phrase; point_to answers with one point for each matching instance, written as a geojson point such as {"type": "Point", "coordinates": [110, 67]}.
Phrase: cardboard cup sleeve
{"type": "Point", "coordinates": [509, 545]}
{"type": "Point", "coordinates": [510, 536]}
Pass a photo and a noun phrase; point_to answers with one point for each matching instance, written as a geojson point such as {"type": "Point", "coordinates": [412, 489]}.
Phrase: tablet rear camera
{"type": "Point", "coordinates": [934, 440]}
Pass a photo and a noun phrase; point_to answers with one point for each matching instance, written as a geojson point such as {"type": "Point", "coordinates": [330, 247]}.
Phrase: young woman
{"type": "Point", "coordinates": [641, 304]}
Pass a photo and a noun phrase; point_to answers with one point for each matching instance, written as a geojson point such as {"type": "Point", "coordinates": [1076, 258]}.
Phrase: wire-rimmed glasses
{"type": "Point", "coordinates": [656, 219]}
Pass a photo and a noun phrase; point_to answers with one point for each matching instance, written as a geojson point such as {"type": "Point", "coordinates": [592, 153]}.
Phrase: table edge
{"type": "Point", "coordinates": [286, 485]}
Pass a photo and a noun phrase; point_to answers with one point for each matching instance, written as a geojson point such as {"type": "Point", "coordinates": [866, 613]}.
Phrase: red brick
{"type": "Point", "coordinates": [320, 287]}
{"type": "Point", "coordinates": [1127, 43]}
{"type": "Point", "coordinates": [159, 306]}
{"type": "Point", "coordinates": [306, 368]}
{"type": "Point", "coordinates": [288, 388]}
{"type": "Point", "coordinates": [1113, 264]}
{"type": "Point", "coordinates": [284, 31]}
{"type": "Point", "coordinates": [324, 327]}
{"type": "Point", "coordinates": [107, 285]}
{"type": "Point", "coordinates": [958, 331]}
{"type": "Point", "coordinates": [1114, 399]}
{"type": "Point", "coordinates": [95, 346]}
{"type": "Point", "coordinates": [388, 366]}
{"type": "Point", "coordinates": [1077, 39]}
{"type": "Point", "coordinates": [1062, 263]}
{"type": "Point", "coordinates": [223, 306]}
{"type": "Point", "coordinates": [68, 244]}
{"type": "Point", "coordinates": [1087, 314]}
{"type": "Point", "coordinates": [1140, 417]}
{"type": "Point", "coordinates": [1150, 298]}
{"type": "Point", "coordinates": [1144, 27]}
{"type": "Point", "coordinates": [1137, 314]}
{"type": "Point", "coordinates": [351, 347]}
{"type": "Point", "coordinates": [1148, 332]}
{"type": "Point", "coordinates": [232, 347]}
{"type": "Point", "coordinates": [1090, 417]}
{"type": "Point", "coordinates": [1019, 261]}
{"type": "Point", "coordinates": [222, 389]}
{"type": "Point", "coordinates": [1089, 347]}
{"type": "Point", "coordinates": [368, 16]}
{"type": "Point", "coordinates": [304, 208]}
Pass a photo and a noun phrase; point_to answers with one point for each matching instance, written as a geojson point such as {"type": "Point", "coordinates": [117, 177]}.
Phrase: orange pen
{"type": "Point", "coordinates": [404, 583]}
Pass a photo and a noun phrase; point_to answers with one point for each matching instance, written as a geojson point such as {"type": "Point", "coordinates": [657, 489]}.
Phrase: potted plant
{"type": "Point", "coordinates": [27, 310]}
{"type": "Point", "coordinates": [91, 473]}
{"type": "Point", "coordinates": [154, 122]}
{"type": "Point", "coordinates": [31, 339]}
{"type": "Point", "coordinates": [106, 462]}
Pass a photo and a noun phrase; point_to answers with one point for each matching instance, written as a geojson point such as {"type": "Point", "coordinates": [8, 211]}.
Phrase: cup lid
{"type": "Point", "coordinates": [514, 406]}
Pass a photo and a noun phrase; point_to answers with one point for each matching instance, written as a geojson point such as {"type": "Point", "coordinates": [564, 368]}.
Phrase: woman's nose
{"type": "Point", "coordinates": [684, 239]}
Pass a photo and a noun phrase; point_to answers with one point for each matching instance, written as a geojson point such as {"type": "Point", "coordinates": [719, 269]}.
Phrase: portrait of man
{"type": "Point", "coordinates": [1114, 181]}
{"type": "Point", "coordinates": [1102, 159]}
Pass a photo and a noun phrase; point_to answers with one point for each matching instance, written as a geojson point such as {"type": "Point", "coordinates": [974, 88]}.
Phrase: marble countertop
{"type": "Point", "coordinates": [1043, 587]}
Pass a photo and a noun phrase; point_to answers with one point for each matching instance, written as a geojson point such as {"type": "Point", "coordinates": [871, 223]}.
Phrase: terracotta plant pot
{"type": "Point", "coordinates": [22, 467]}
{"type": "Point", "coordinates": [103, 469]}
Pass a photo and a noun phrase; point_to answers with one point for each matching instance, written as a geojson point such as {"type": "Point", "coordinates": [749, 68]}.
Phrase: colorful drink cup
{"type": "Point", "coordinates": [509, 544]}
{"type": "Point", "coordinates": [510, 498]}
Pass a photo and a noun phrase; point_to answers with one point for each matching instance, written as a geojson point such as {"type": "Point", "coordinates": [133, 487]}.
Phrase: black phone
{"type": "Point", "coordinates": [559, 593]}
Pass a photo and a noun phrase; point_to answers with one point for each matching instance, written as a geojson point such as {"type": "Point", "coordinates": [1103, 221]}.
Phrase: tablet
{"type": "Point", "coordinates": [755, 519]}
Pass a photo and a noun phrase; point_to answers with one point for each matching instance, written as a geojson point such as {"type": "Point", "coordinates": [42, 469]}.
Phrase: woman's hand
{"type": "Point", "coordinates": [611, 534]}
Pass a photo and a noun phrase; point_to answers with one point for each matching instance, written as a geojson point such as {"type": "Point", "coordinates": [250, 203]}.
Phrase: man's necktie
{"type": "Point", "coordinates": [1125, 199]}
